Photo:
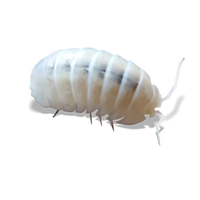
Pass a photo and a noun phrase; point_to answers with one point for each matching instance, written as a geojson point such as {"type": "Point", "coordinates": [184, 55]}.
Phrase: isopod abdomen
{"type": "Point", "coordinates": [88, 80]}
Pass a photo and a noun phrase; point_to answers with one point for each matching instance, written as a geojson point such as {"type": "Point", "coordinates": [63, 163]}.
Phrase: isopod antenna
{"type": "Point", "coordinates": [169, 94]}
{"type": "Point", "coordinates": [174, 87]}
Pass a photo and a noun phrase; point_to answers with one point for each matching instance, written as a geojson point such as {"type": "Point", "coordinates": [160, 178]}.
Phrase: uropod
{"type": "Point", "coordinates": [95, 80]}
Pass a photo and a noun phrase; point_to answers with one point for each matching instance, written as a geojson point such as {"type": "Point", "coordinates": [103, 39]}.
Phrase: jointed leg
{"type": "Point", "coordinates": [53, 116]}
{"type": "Point", "coordinates": [159, 135]}
{"type": "Point", "coordinates": [113, 129]}
{"type": "Point", "coordinates": [91, 121]}
{"type": "Point", "coordinates": [102, 124]}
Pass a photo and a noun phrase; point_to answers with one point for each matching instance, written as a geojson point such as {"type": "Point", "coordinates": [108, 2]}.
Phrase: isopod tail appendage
{"type": "Point", "coordinates": [111, 123]}
{"type": "Point", "coordinates": [91, 118]}
{"type": "Point", "coordinates": [55, 113]}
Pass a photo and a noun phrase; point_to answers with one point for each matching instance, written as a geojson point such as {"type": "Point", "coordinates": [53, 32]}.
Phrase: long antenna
{"type": "Point", "coordinates": [169, 95]}
{"type": "Point", "coordinates": [174, 87]}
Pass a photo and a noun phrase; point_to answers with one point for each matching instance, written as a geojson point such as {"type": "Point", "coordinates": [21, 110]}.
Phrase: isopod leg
{"type": "Point", "coordinates": [102, 124]}
{"type": "Point", "coordinates": [100, 120]}
{"type": "Point", "coordinates": [91, 121]}
{"type": "Point", "coordinates": [113, 129]}
{"type": "Point", "coordinates": [53, 116]}
{"type": "Point", "coordinates": [159, 145]}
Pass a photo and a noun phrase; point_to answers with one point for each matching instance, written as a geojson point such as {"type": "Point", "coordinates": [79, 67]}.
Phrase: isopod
{"type": "Point", "coordinates": [88, 80]}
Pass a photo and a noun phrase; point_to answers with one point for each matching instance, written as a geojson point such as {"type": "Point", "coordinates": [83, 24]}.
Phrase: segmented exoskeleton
{"type": "Point", "coordinates": [90, 79]}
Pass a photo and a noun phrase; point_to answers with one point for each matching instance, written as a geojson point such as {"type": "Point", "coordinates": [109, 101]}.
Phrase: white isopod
{"type": "Point", "coordinates": [90, 79]}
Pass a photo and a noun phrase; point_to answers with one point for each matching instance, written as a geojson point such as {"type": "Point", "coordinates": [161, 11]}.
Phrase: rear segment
{"type": "Point", "coordinates": [50, 81]}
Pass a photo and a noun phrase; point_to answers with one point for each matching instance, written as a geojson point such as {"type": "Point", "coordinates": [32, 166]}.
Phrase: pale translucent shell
{"type": "Point", "coordinates": [90, 79]}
